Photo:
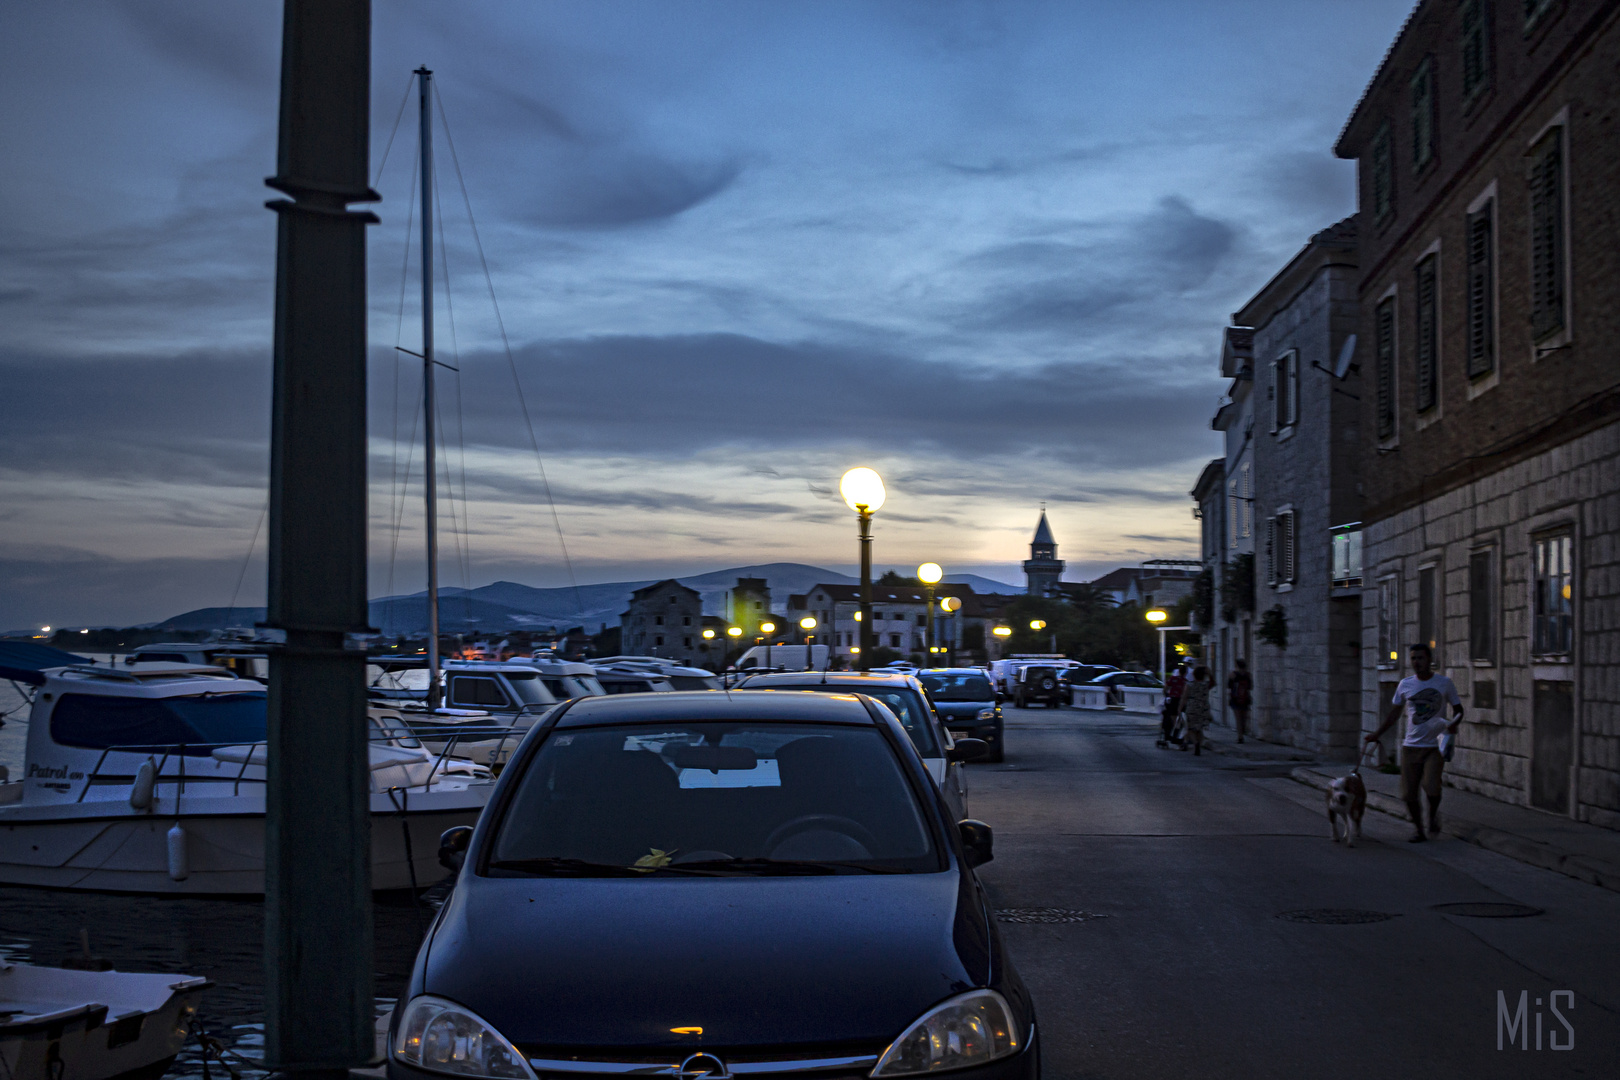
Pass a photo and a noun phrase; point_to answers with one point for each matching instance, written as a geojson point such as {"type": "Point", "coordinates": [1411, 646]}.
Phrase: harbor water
{"type": "Point", "coordinates": [220, 940]}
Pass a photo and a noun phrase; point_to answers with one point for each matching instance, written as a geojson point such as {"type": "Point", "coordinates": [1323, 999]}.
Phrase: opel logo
{"type": "Point", "coordinates": [703, 1067]}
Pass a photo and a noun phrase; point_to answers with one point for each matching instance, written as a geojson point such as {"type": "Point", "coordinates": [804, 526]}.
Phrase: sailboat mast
{"type": "Point", "coordinates": [435, 698]}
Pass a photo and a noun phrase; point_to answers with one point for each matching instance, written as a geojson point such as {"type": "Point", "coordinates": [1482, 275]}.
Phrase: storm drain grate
{"type": "Point", "coordinates": [1045, 915]}
{"type": "Point", "coordinates": [1335, 916]}
{"type": "Point", "coordinates": [1485, 909]}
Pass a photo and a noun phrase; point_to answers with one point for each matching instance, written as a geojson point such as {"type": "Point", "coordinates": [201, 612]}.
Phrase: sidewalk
{"type": "Point", "coordinates": [1585, 852]}
{"type": "Point", "coordinates": [1223, 741]}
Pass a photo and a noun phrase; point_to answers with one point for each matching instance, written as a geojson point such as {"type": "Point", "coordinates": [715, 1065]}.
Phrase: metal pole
{"type": "Point", "coordinates": [1164, 673]}
{"type": "Point", "coordinates": [317, 835]}
{"type": "Point", "coordinates": [929, 633]}
{"type": "Point", "coordinates": [429, 405]}
{"type": "Point", "coordinates": [864, 516]}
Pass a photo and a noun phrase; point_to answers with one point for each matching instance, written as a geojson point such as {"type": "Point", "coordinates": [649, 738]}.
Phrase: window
{"type": "Point", "coordinates": [1481, 608]}
{"type": "Point", "coordinates": [476, 692]}
{"type": "Point", "coordinates": [686, 642]}
{"type": "Point", "coordinates": [1346, 557]}
{"type": "Point", "coordinates": [686, 620]}
{"type": "Point", "coordinates": [1383, 174]}
{"type": "Point", "coordinates": [1247, 475]}
{"type": "Point", "coordinates": [1553, 594]}
{"type": "Point", "coordinates": [1285, 390]}
{"type": "Point", "coordinates": [894, 640]}
{"type": "Point", "coordinates": [659, 619]}
{"type": "Point", "coordinates": [1428, 333]}
{"type": "Point", "coordinates": [672, 599]}
{"type": "Point", "coordinates": [1423, 115]}
{"type": "Point", "coordinates": [922, 620]}
{"type": "Point", "coordinates": [659, 640]}
{"type": "Point", "coordinates": [1386, 367]}
{"type": "Point", "coordinates": [1389, 621]}
{"type": "Point", "coordinates": [1429, 608]}
{"type": "Point", "coordinates": [1280, 548]}
{"type": "Point", "coordinates": [1482, 291]}
{"type": "Point", "coordinates": [1547, 241]}
{"type": "Point", "coordinates": [1476, 47]}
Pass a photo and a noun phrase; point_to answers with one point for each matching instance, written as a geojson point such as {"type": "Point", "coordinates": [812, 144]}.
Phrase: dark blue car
{"type": "Point", "coordinates": [759, 883]}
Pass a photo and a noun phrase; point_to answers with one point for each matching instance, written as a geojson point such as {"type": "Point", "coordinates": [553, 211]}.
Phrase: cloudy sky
{"type": "Point", "coordinates": [984, 247]}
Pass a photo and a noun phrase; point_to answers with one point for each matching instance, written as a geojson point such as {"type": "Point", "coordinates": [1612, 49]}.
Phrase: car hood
{"type": "Point", "coordinates": [957, 709]}
{"type": "Point", "coordinates": [754, 961]}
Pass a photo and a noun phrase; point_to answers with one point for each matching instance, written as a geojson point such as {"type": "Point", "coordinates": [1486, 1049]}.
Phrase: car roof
{"type": "Point", "coordinates": [852, 679]}
{"type": "Point", "coordinates": [682, 706]}
{"type": "Point", "coordinates": [954, 671]}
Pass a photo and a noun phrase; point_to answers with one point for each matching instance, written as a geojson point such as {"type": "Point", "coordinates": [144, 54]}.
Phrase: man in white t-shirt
{"type": "Point", "coordinates": [1423, 697]}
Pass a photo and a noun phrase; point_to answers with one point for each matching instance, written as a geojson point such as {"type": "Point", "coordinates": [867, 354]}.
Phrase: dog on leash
{"type": "Point", "coordinates": [1347, 799]}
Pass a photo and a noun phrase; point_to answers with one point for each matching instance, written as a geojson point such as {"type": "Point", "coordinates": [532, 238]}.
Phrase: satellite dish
{"type": "Point", "coordinates": [1346, 355]}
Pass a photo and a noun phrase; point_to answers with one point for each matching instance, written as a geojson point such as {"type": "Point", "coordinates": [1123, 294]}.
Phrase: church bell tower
{"type": "Point", "coordinates": [1043, 569]}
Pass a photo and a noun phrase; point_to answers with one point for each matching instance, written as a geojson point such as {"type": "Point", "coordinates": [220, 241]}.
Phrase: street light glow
{"type": "Point", "coordinates": [767, 628]}
{"type": "Point", "coordinates": [708, 634]}
{"type": "Point", "coordinates": [808, 622]}
{"type": "Point", "coordinates": [1002, 631]}
{"type": "Point", "coordinates": [734, 631]}
{"type": "Point", "coordinates": [857, 616]}
{"type": "Point", "coordinates": [1037, 624]}
{"type": "Point", "coordinates": [950, 603]}
{"type": "Point", "coordinates": [862, 489]}
{"type": "Point", "coordinates": [929, 573]}
{"type": "Point", "coordinates": [1156, 616]}
{"type": "Point", "coordinates": [44, 629]}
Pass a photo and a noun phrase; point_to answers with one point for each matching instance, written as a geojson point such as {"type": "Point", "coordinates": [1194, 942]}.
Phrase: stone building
{"type": "Point", "coordinates": [748, 604]}
{"type": "Point", "coordinates": [1043, 569]}
{"type": "Point", "coordinates": [1298, 456]}
{"type": "Point", "coordinates": [664, 619]}
{"type": "Point", "coordinates": [1231, 633]}
{"type": "Point", "coordinates": [899, 618]}
{"type": "Point", "coordinates": [1487, 156]}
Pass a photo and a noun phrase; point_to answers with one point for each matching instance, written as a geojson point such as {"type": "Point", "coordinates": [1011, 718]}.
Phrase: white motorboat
{"type": "Point", "coordinates": [151, 779]}
{"type": "Point", "coordinates": [92, 1025]}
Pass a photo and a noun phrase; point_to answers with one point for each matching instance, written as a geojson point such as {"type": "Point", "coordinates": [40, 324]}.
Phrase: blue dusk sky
{"type": "Point", "coordinates": [986, 248]}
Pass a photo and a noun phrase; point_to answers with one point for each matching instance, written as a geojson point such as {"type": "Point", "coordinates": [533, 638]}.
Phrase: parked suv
{"type": "Point", "coordinates": [1038, 682]}
{"type": "Point", "coordinates": [967, 704]}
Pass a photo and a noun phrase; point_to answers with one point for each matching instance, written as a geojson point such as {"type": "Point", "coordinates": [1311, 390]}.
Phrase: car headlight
{"type": "Point", "coordinates": [440, 1036]}
{"type": "Point", "coordinates": [987, 714]}
{"type": "Point", "coordinates": [971, 1029]}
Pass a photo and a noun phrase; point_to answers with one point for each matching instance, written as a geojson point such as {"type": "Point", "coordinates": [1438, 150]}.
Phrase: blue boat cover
{"type": "Point", "coordinates": [24, 661]}
{"type": "Point", "coordinates": [186, 725]}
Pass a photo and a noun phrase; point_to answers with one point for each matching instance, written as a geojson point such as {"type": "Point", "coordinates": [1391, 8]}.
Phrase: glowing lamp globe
{"type": "Point", "coordinates": [929, 573]}
{"type": "Point", "coordinates": [1002, 631]}
{"type": "Point", "coordinates": [708, 634]}
{"type": "Point", "coordinates": [808, 622]}
{"type": "Point", "coordinates": [767, 628]}
{"type": "Point", "coordinates": [1155, 616]}
{"type": "Point", "coordinates": [734, 631]}
{"type": "Point", "coordinates": [950, 603]}
{"type": "Point", "coordinates": [862, 489]}
{"type": "Point", "coordinates": [1037, 624]}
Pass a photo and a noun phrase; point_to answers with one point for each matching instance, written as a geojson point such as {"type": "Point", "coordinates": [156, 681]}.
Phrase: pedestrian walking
{"type": "Point", "coordinates": [1173, 687]}
{"type": "Point", "coordinates": [1423, 697]}
{"type": "Point", "coordinates": [1195, 709]}
{"type": "Point", "coordinates": [1240, 695]}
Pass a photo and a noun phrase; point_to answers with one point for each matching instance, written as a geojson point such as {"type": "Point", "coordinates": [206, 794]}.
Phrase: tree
{"type": "Point", "coordinates": [891, 577]}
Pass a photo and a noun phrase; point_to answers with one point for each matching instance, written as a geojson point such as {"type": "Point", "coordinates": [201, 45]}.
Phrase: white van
{"type": "Point", "coordinates": [783, 658]}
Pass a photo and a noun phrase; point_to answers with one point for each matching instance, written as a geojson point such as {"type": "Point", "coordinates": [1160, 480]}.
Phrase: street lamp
{"type": "Point", "coordinates": [764, 629]}
{"type": "Point", "coordinates": [709, 634]}
{"type": "Point", "coordinates": [807, 624]}
{"type": "Point", "coordinates": [930, 573]}
{"type": "Point", "coordinates": [863, 490]}
{"type": "Point", "coordinates": [734, 631]}
{"type": "Point", "coordinates": [950, 605]}
{"type": "Point", "coordinates": [1157, 617]}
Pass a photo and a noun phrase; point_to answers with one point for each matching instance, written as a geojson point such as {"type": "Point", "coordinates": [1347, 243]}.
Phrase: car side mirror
{"type": "Point", "coordinates": [453, 847]}
{"type": "Point", "coordinates": [977, 840]}
{"type": "Point", "coordinates": [968, 750]}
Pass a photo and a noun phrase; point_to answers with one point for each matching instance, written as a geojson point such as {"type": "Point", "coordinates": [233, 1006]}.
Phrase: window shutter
{"type": "Point", "coordinates": [1481, 617]}
{"type": "Point", "coordinates": [1476, 56]}
{"type": "Point", "coordinates": [1276, 395]}
{"type": "Point", "coordinates": [1423, 114]}
{"type": "Point", "coordinates": [1547, 236]}
{"type": "Point", "coordinates": [1481, 293]}
{"type": "Point", "coordinates": [1293, 387]}
{"type": "Point", "coordinates": [1285, 523]}
{"type": "Point", "coordinates": [1427, 334]}
{"type": "Point", "coordinates": [1383, 174]}
{"type": "Point", "coordinates": [1386, 368]}
{"type": "Point", "coordinates": [1271, 551]}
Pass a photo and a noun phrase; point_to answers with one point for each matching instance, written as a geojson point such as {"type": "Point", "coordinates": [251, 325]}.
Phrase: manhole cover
{"type": "Point", "coordinates": [1489, 910]}
{"type": "Point", "coordinates": [1045, 915]}
{"type": "Point", "coordinates": [1335, 916]}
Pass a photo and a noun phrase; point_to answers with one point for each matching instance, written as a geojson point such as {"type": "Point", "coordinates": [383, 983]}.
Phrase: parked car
{"type": "Point", "coordinates": [712, 885]}
{"type": "Point", "coordinates": [967, 705]}
{"type": "Point", "coordinates": [1040, 683]}
{"type": "Point", "coordinates": [1115, 680]}
{"type": "Point", "coordinates": [632, 681]}
{"type": "Point", "coordinates": [902, 695]}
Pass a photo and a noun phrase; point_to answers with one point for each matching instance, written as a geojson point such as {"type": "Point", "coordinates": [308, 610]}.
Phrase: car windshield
{"type": "Point", "coordinates": [958, 687]}
{"type": "Point", "coordinates": [728, 798]}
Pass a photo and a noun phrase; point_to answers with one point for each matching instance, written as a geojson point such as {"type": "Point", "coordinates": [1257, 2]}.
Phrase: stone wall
{"type": "Point", "coordinates": [1577, 485]}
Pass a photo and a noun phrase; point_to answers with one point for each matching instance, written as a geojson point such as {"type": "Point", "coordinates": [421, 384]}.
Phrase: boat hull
{"type": "Point", "coordinates": [91, 847]}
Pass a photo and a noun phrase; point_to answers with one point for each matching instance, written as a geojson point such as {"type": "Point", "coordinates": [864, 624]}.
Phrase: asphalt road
{"type": "Point", "coordinates": [1190, 970]}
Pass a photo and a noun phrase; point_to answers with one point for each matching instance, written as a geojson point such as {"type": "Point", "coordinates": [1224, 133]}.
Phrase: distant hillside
{"type": "Point", "coordinates": [506, 605]}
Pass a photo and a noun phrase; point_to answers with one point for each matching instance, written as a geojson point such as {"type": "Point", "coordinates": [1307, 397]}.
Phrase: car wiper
{"type": "Point", "coordinates": [787, 867]}
{"type": "Point", "coordinates": [560, 867]}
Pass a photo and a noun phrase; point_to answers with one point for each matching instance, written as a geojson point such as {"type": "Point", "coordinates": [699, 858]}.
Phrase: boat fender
{"type": "Point", "coordinates": [140, 792]}
{"type": "Point", "coordinates": [179, 862]}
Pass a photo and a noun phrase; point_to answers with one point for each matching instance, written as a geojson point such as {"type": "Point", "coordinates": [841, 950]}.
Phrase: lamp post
{"type": "Point", "coordinates": [765, 630]}
{"type": "Point", "coordinates": [950, 605]}
{"type": "Point", "coordinates": [863, 490]}
{"type": "Point", "coordinates": [930, 573]}
{"type": "Point", "coordinates": [1038, 625]}
{"type": "Point", "coordinates": [1157, 616]}
{"type": "Point", "coordinates": [807, 624]}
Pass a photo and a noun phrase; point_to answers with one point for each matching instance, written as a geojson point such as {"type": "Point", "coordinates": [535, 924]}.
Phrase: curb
{"type": "Point", "coordinates": [1580, 867]}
